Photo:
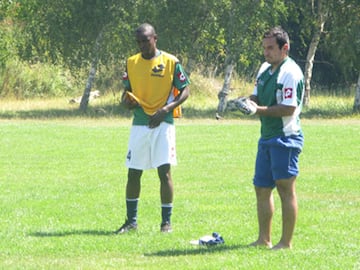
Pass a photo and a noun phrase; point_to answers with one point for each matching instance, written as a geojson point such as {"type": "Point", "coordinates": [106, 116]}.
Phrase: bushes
{"type": "Point", "coordinates": [21, 80]}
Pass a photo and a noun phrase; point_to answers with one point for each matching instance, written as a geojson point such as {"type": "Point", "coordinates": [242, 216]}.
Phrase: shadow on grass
{"type": "Point", "coordinates": [117, 111]}
{"type": "Point", "coordinates": [327, 113]}
{"type": "Point", "coordinates": [91, 112]}
{"type": "Point", "coordinates": [107, 111]}
{"type": "Point", "coordinates": [70, 233]}
{"type": "Point", "coordinates": [195, 251]}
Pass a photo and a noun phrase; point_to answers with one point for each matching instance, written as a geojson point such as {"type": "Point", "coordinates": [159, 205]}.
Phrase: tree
{"type": "Point", "coordinates": [212, 35]}
{"type": "Point", "coordinates": [8, 41]}
{"type": "Point", "coordinates": [94, 63]}
{"type": "Point", "coordinates": [192, 33]}
{"type": "Point", "coordinates": [321, 15]}
{"type": "Point", "coordinates": [334, 30]}
{"type": "Point", "coordinates": [356, 107]}
{"type": "Point", "coordinates": [244, 24]}
{"type": "Point", "coordinates": [342, 42]}
{"type": "Point", "coordinates": [71, 32]}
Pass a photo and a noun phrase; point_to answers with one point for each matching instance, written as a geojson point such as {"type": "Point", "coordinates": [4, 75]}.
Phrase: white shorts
{"type": "Point", "coordinates": [151, 147]}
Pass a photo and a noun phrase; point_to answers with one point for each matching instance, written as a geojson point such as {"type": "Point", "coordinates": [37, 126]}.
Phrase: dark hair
{"type": "Point", "coordinates": [279, 34]}
{"type": "Point", "coordinates": [146, 27]}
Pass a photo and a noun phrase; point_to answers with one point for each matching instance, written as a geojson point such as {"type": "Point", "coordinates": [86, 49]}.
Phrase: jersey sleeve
{"type": "Point", "coordinates": [181, 79]}
{"type": "Point", "coordinates": [125, 81]}
{"type": "Point", "coordinates": [291, 82]}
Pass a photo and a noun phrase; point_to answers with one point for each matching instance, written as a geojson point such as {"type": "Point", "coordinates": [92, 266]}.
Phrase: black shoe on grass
{"type": "Point", "coordinates": [126, 227]}
{"type": "Point", "coordinates": [165, 227]}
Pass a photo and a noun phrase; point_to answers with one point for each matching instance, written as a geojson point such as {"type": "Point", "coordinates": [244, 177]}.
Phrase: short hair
{"type": "Point", "coordinates": [146, 27]}
{"type": "Point", "coordinates": [279, 34]}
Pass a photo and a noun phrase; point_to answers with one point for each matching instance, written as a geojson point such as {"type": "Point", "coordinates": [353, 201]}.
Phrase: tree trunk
{"type": "Point", "coordinates": [357, 97]}
{"type": "Point", "coordinates": [312, 51]}
{"type": "Point", "coordinates": [85, 98]}
{"type": "Point", "coordinates": [224, 92]}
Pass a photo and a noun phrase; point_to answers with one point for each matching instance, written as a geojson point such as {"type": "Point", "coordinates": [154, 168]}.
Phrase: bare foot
{"type": "Point", "coordinates": [259, 243]}
{"type": "Point", "coordinates": [281, 246]}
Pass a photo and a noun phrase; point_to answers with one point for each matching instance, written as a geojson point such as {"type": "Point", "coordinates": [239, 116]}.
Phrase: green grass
{"type": "Point", "coordinates": [62, 194]}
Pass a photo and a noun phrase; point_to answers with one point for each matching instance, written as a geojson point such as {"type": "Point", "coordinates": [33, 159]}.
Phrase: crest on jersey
{"type": "Point", "coordinates": [181, 76]}
{"type": "Point", "coordinates": [288, 93]}
{"type": "Point", "coordinates": [125, 76]}
{"type": "Point", "coordinates": [158, 68]}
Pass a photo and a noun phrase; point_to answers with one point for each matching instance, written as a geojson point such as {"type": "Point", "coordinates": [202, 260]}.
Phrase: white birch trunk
{"type": "Point", "coordinates": [85, 98]}
{"type": "Point", "coordinates": [224, 92]}
{"type": "Point", "coordinates": [312, 51]}
{"type": "Point", "coordinates": [357, 97]}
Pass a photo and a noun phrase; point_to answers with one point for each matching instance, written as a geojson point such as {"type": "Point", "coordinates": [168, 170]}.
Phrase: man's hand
{"type": "Point", "coordinates": [246, 105]}
{"type": "Point", "coordinates": [157, 118]}
{"type": "Point", "coordinates": [128, 101]}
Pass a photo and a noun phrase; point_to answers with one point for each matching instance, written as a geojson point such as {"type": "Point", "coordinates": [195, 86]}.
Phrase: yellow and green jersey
{"type": "Point", "coordinates": [152, 82]}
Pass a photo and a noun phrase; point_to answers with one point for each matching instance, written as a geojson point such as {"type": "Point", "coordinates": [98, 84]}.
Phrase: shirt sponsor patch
{"type": "Point", "coordinates": [125, 76]}
{"type": "Point", "coordinates": [181, 77]}
{"type": "Point", "coordinates": [288, 93]}
{"type": "Point", "coordinates": [158, 68]}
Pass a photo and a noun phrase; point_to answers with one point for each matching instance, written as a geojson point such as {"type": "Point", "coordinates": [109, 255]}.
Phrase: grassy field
{"type": "Point", "coordinates": [202, 104]}
{"type": "Point", "coordinates": [62, 179]}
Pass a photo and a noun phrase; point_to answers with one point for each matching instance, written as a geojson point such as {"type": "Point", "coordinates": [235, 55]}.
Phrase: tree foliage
{"type": "Point", "coordinates": [342, 40]}
{"type": "Point", "coordinates": [205, 34]}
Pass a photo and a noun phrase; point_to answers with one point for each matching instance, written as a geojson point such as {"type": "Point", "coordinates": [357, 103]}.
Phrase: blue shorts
{"type": "Point", "coordinates": [277, 158]}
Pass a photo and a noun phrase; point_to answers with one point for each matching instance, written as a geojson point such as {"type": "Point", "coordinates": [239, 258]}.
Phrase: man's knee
{"type": "Point", "coordinates": [164, 169]}
{"type": "Point", "coordinates": [263, 193]}
{"type": "Point", "coordinates": [134, 175]}
{"type": "Point", "coordinates": [286, 187]}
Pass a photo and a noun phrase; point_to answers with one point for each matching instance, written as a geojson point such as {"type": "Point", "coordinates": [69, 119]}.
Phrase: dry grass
{"type": "Point", "coordinates": [34, 104]}
{"type": "Point", "coordinates": [202, 103]}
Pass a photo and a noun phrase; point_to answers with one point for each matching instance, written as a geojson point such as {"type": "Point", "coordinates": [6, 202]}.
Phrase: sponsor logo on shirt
{"type": "Point", "coordinates": [125, 76]}
{"type": "Point", "coordinates": [259, 82]}
{"type": "Point", "coordinates": [156, 71]}
{"type": "Point", "coordinates": [181, 76]}
{"type": "Point", "coordinates": [158, 68]}
{"type": "Point", "coordinates": [288, 93]}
